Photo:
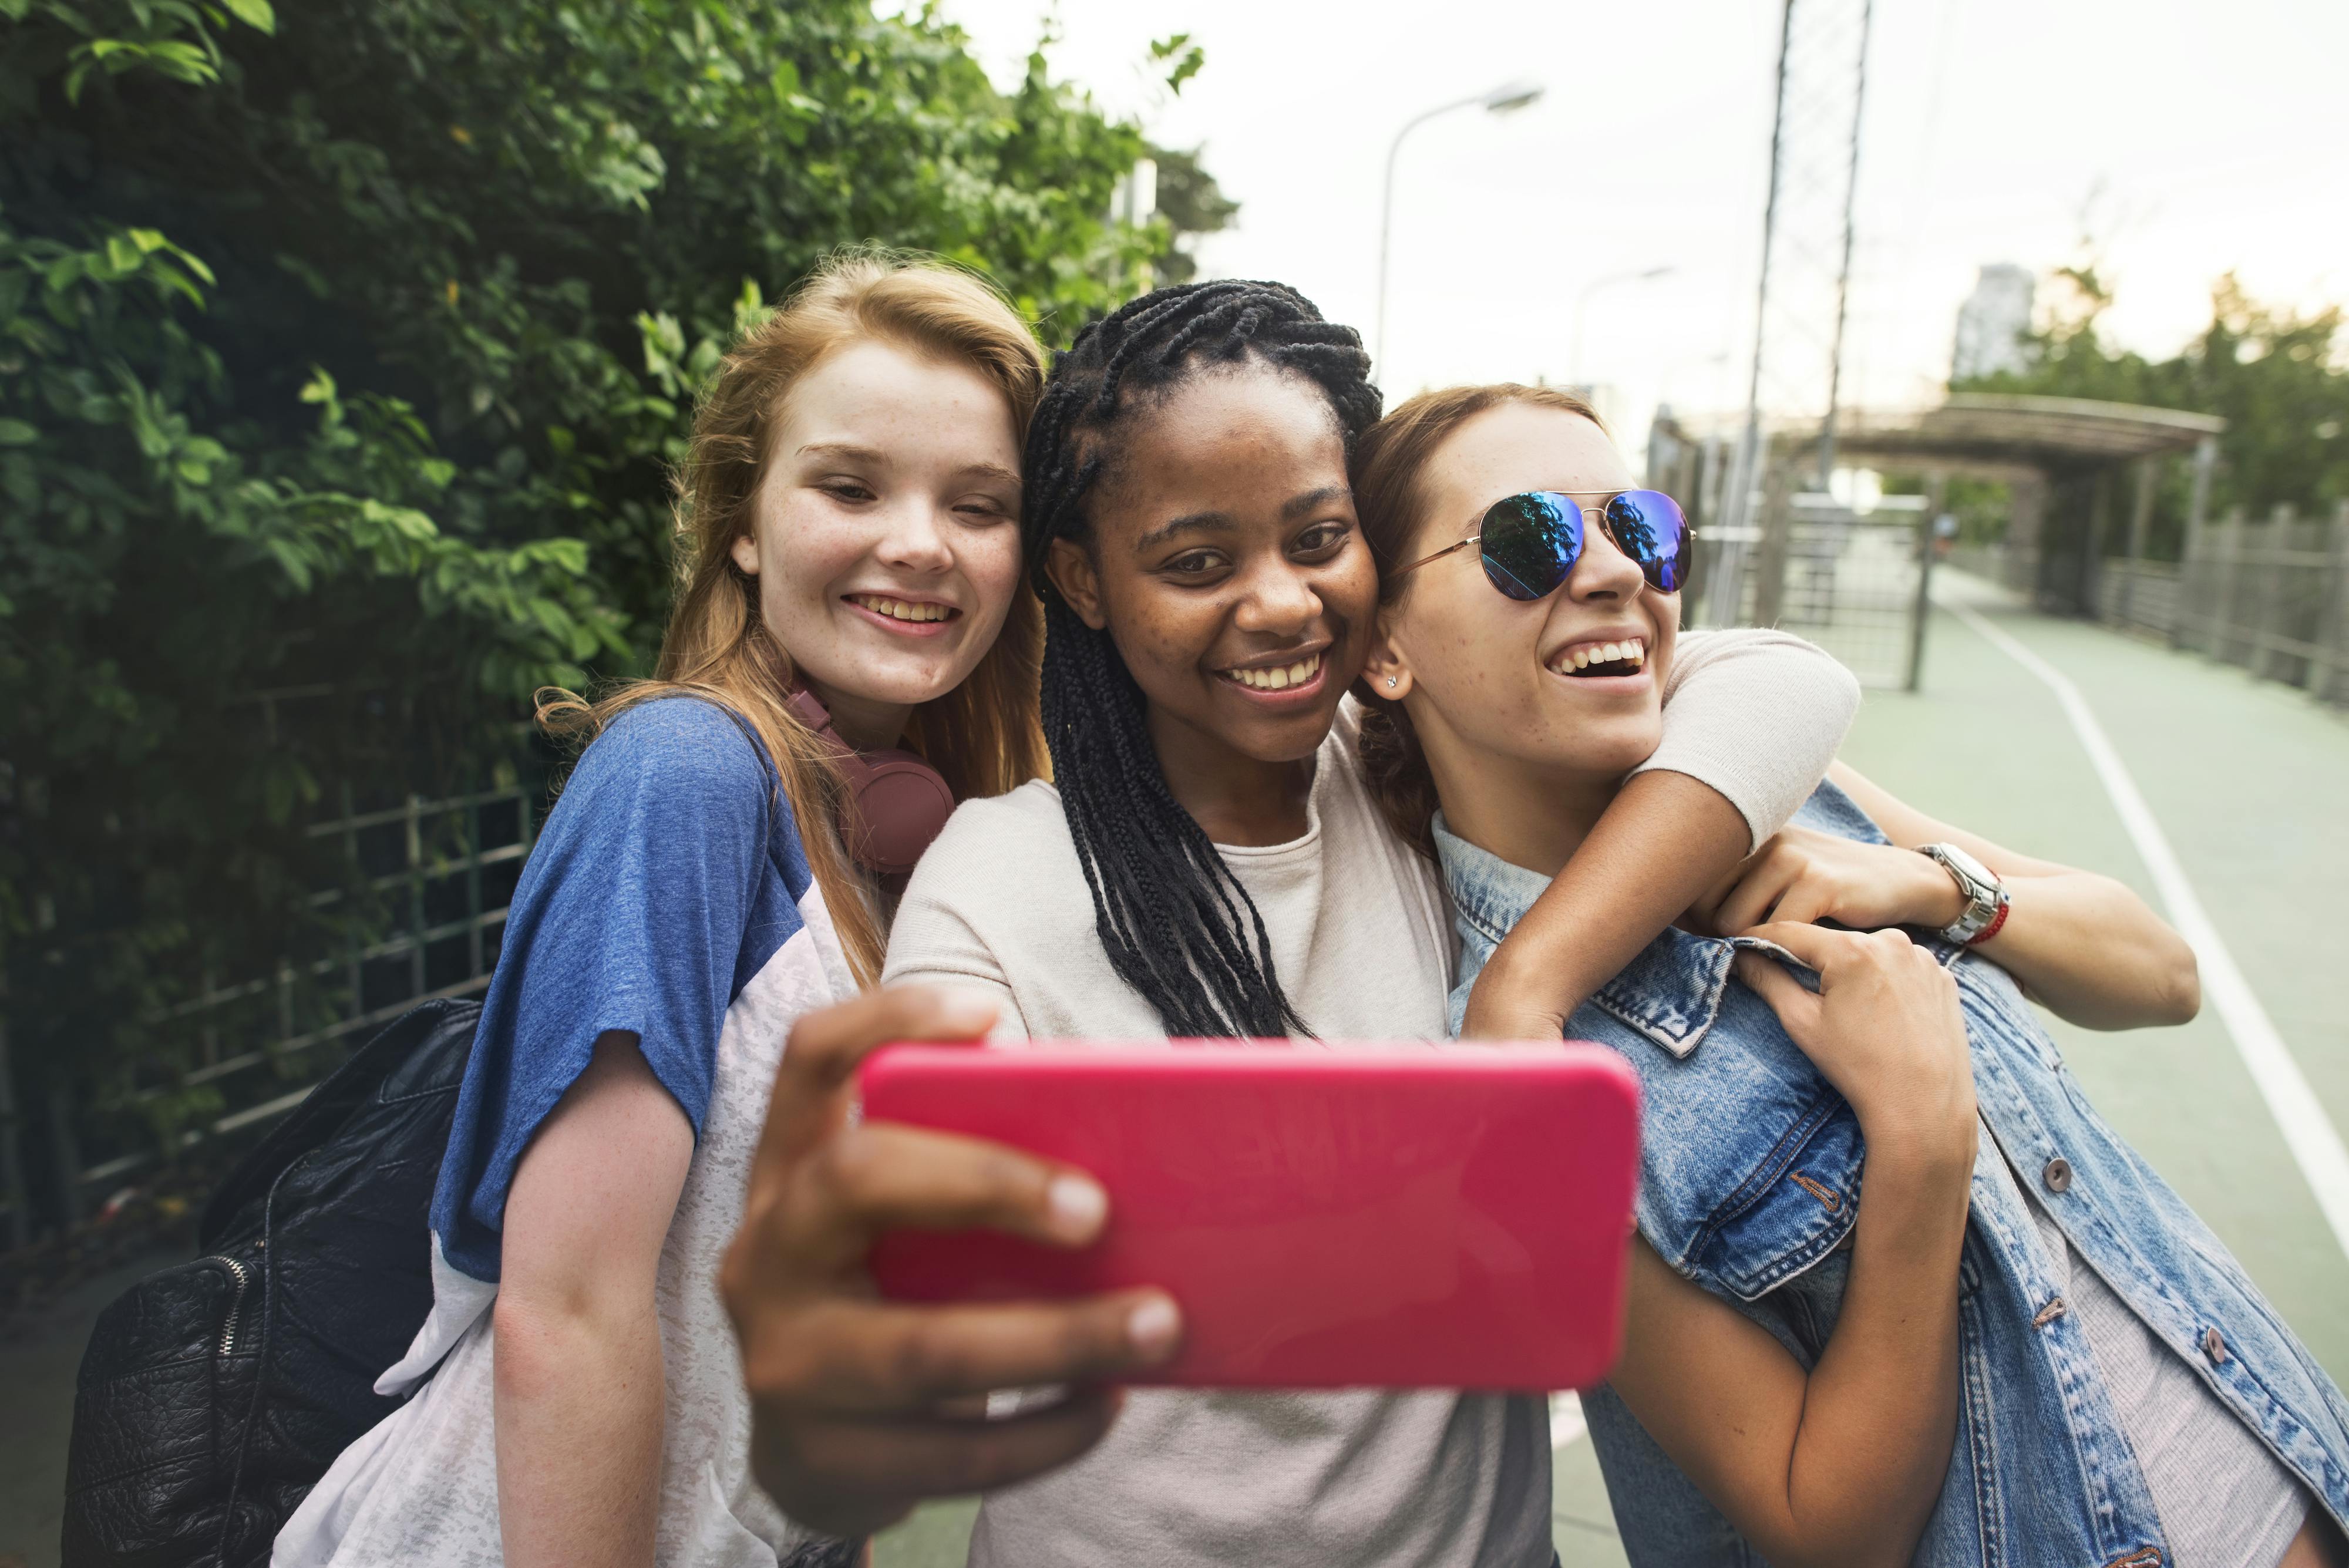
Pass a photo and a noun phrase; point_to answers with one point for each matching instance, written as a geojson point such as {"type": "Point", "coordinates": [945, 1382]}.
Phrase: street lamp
{"type": "Point", "coordinates": [1508, 96]}
{"type": "Point", "coordinates": [1583, 308]}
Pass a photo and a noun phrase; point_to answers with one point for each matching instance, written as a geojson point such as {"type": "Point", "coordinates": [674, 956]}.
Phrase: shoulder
{"type": "Point", "coordinates": [999, 889]}
{"type": "Point", "coordinates": [1022, 832]}
{"type": "Point", "coordinates": [680, 779]}
{"type": "Point", "coordinates": [677, 744]}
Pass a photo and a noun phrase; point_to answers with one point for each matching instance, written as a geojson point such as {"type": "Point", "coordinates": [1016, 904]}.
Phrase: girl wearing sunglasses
{"type": "Point", "coordinates": [1210, 862]}
{"type": "Point", "coordinates": [2013, 1344]}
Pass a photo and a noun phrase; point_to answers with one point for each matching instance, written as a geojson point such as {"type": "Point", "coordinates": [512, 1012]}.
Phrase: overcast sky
{"type": "Point", "coordinates": [2217, 134]}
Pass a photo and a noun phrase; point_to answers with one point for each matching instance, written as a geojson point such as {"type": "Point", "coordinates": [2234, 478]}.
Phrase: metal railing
{"type": "Point", "coordinates": [442, 870]}
{"type": "Point", "coordinates": [1851, 581]}
{"type": "Point", "coordinates": [2271, 596]}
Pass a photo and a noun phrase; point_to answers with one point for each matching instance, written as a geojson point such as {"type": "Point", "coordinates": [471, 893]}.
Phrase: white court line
{"type": "Point", "coordinates": [1565, 1423]}
{"type": "Point", "coordinates": [2311, 1135]}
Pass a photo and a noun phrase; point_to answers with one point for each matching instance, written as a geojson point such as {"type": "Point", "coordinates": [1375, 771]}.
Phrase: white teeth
{"type": "Point", "coordinates": [1632, 650]}
{"type": "Point", "coordinates": [901, 609]}
{"type": "Point", "coordinates": [1280, 677]}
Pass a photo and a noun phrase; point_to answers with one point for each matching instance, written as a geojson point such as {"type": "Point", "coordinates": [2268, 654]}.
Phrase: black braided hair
{"type": "Point", "coordinates": [1177, 925]}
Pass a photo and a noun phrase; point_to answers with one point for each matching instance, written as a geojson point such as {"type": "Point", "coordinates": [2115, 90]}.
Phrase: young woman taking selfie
{"type": "Point", "coordinates": [2013, 1343]}
{"type": "Point", "coordinates": [851, 572]}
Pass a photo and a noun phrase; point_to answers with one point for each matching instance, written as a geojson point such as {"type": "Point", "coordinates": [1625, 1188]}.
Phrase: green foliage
{"type": "Point", "coordinates": [1192, 203]}
{"type": "Point", "coordinates": [345, 351]}
{"type": "Point", "coordinates": [2275, 375]}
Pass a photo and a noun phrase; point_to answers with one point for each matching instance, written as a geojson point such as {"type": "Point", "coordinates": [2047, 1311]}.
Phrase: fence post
{"type": "Point", "coordinates": [1924, 610]}
{"type": "Point", "coordinates": [2267, 594]}
{"type": "Point", "coordinates": [2231, 566]}
{"type": "Point", "coordinates": [12, 1164]}
{"type": "Point", "coordinates": [2140, 527]}
{"type": "Point", "coordinates": [1777, 531]}
{"type": "Point", "coordinates": [2328, 676]}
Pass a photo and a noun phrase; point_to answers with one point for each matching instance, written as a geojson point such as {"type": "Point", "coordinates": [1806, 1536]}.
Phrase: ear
{"type": "Point", "coordinates": [745, 551]}
{"type": "Point", "coordinates": [1070, 566]}
{"type": "Point", "coordinates": [1388, 669]}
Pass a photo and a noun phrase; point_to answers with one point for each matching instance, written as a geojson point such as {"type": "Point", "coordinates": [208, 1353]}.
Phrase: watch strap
{"type": "Point", "coordinates": [1986, 901]}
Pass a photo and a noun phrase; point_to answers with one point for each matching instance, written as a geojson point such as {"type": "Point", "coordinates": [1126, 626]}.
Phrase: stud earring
{"type": "Point", "coordinates": [1390, 680]}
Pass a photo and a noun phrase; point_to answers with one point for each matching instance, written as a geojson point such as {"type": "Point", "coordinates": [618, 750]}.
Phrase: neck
{"type": "Point", "coordinates": [1532, 818]}
{"type": "Point", "coordinates": [866, 726]}
{"type": "Point", "coordinates": [1237, 799]}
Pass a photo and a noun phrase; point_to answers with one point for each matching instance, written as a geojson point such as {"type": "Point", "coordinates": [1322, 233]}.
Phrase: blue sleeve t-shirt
{"type": "Point", "coordinates": [666, 875]}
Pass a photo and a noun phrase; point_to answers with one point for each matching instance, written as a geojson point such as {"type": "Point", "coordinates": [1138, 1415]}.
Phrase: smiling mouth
{"type": "Point", "coordinates": [1624, 656]}
{"type": "Point", "coordinates": [1278, 676]}
{"type": "Point", "coordinates": [902, 609]}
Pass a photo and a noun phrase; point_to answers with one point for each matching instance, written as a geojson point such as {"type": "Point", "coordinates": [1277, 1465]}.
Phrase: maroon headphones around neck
{"type": "Point", "coordinates": [897, 803]}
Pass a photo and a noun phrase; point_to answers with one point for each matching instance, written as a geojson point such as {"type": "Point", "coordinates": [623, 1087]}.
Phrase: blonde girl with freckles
{"type": "Point", "coordinates": [848, 534]}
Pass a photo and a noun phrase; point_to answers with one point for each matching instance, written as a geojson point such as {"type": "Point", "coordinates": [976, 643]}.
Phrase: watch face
{"type": "Point", "coordinates": [1974, 870]}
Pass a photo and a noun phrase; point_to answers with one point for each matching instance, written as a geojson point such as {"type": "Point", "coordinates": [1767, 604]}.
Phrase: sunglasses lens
{"type": "Point", "coordinates": [1648, 526]}
{"type": "Point", "coordinates": [1531, 542]}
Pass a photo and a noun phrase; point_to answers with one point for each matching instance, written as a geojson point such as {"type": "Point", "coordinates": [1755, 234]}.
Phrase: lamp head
{"type": "Point", "coordinates": [1512, 95]}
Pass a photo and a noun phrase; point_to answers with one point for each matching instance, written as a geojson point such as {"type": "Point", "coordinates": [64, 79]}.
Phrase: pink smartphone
{"type": "Point", "coordinates": [1349, 1216]}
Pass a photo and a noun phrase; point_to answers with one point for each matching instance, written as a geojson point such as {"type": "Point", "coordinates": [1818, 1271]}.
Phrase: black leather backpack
{"type": "Point", "coordinates": [215, 1394]}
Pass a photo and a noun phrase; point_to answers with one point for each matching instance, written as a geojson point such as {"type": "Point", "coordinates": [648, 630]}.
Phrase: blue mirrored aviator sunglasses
{"type": "Point", "coordinates": [1530, 542]}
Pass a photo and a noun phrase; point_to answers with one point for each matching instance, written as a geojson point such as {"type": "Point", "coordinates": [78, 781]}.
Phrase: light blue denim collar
{"type": "Point", "coordinates": [1671, 992]}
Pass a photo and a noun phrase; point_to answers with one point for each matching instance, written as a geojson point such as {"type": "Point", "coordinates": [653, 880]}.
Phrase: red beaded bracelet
{"type": "Point", "coordinates": [1991, 930]}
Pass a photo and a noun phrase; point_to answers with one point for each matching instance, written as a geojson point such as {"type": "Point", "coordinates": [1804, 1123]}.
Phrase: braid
{"type": "Point", "coordinates": [1177, 925]}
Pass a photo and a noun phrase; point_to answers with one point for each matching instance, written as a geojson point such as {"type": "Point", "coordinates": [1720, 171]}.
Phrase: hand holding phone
{"type": "Point", "coordinates": [860, 1407]}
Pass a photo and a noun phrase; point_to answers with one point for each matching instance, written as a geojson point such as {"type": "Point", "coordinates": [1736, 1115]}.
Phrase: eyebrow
{"type": "Point", "coordinates": [851, 453]}
{"type": "Point", "coordinates": [1293, 508]}
{"type": "Point", "coordinates": [1189, 523]}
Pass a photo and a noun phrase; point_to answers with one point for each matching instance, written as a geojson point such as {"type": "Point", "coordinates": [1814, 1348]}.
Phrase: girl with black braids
{"type": "Point", "coordinates": [1211, 861]}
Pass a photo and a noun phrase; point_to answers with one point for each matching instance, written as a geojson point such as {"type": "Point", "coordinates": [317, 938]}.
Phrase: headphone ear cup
{"type": "Point", "coordinates": [900, 805]}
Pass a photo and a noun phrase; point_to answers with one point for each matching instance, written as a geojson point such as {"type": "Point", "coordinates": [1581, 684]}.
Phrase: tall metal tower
{"type": "Point", "coordinates": [1807, 237]}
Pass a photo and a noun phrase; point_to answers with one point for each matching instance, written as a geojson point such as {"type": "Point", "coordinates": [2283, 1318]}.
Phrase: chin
{"type": "Point", "coordinates": [1608, 749]}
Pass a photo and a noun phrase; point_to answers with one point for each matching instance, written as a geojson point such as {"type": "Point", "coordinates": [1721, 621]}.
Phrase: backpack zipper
{"type": "Point", "coordinates": [244, 1277]}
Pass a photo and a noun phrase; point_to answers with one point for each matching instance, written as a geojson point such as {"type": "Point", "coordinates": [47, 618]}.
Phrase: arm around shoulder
{"type": "Point", "coordinates": [1757, 715]}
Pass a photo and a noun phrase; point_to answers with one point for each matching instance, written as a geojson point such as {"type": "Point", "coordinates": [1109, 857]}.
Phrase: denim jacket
{"type": "Point", "coordinates": [1750, 1181]}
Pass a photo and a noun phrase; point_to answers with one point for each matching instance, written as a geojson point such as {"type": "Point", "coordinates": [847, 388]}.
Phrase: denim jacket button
{"type": "Point", "coordinates": [2214, 1345]}
{"type": "Point", "coordinates": [2057, 1174]}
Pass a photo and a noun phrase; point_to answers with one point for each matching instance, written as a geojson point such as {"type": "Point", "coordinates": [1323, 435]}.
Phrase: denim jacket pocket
{"type": "Point", "coordinates": [1741, 1203]}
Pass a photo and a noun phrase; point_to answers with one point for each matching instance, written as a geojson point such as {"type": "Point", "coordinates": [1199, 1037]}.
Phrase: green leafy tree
{"type": "Point", "coordinates": [345, 351]}
{"type": "Point", "coordinates": [2275, 375]}
{"type": "Point", "coordinates": [1192, 203]}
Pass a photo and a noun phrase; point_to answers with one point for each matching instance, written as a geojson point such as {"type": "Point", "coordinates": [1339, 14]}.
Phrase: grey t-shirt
{"type": "Point", "coordinates": [1362, 943]}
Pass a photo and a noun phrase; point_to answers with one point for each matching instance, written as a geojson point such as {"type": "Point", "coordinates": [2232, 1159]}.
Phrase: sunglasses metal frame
{"type": "Point", "coordinates": [1591, 515]}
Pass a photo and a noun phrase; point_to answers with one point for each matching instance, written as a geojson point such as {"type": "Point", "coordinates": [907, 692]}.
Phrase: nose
{"type": "Point", "coordinates": [913, 540]}
{"type": "Point", "coordinates": [1605, 572]}
{"type": "Point", "coordinates": [1278, 600]}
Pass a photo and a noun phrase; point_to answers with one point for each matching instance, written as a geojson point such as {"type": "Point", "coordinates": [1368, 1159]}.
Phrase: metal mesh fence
{"type": "Point", "coordinates": [1846, 580]}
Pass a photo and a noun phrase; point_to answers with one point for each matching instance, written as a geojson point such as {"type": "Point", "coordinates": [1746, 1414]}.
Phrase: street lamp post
{"type": "Point", "coordinates": [1508, 96]}
{"type": "Point", "coordinates": [1582, 309]}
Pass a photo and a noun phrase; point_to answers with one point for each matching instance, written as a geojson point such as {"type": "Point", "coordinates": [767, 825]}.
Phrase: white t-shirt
{"type": "Point", "coordinates": [1362, 942]}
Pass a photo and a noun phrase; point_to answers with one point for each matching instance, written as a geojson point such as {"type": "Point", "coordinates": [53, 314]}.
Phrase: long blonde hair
{"type": "Point", "coordinates": [984, 736]}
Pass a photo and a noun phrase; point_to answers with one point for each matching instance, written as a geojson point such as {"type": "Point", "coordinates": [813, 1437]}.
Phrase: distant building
{"type": "Point", "coordinates": [1992, 322]}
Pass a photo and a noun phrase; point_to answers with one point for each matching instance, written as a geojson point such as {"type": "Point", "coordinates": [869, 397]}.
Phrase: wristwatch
{"type": "Point", "coordinates": [1986, 895]}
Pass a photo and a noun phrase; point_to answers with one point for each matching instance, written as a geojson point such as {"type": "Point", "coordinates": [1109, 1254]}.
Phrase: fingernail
{"type": "Point", "coordinates": [971, 1014]}
{"type": "Point", "coordinates": [1153, 1326]}
{"type": "Point", "coordinates": [1078, 1205]}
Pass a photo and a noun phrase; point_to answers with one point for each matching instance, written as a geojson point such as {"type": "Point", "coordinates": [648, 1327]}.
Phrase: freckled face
{"type": "Point", "coordinates": [886, 542]}
{"type": "Point", "coordinates": [1509, 679]}
{"type": "Point", "coordinates": [1228, 565]}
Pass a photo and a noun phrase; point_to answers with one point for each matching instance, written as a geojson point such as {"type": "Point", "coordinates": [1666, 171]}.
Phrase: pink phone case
{"type": "Point", "coordinates": [1403, 1216]}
